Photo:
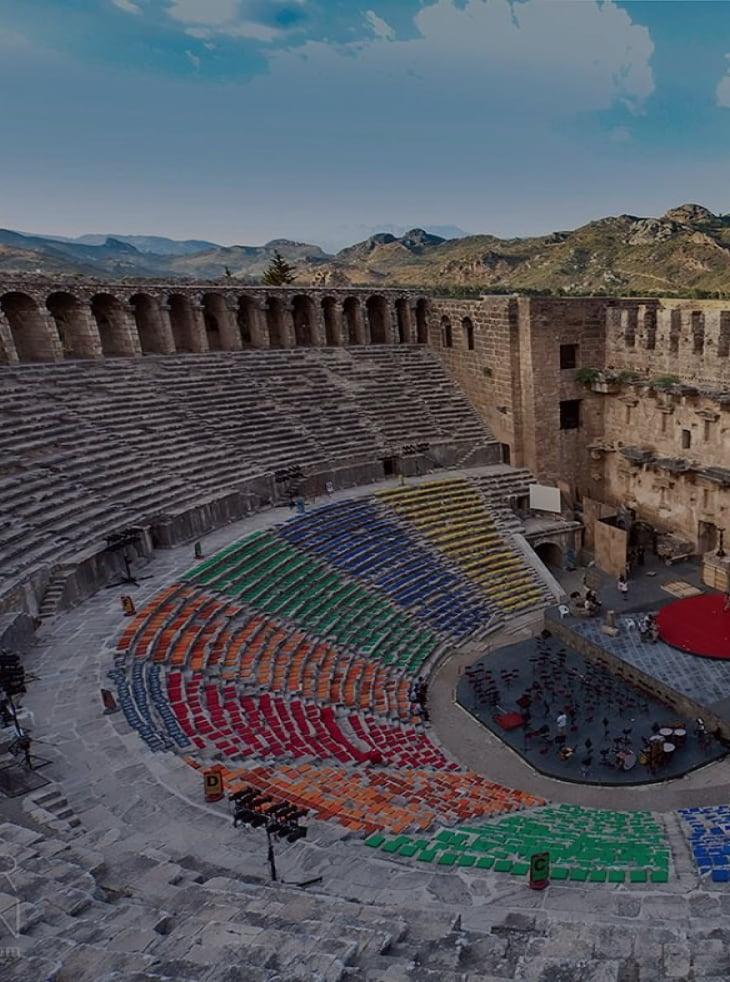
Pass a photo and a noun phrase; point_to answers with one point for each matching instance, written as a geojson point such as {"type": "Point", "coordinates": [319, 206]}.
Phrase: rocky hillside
{"type": "Point", "coordinates": [687, 250]}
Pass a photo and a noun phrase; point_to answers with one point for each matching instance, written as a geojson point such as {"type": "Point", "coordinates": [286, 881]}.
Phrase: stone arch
{"type": "Point", "coordinates": [34, 335]}
{"type": "Point", "coordinates": [245, 319]}
{"type": "Point", "coordinates": [111, 323]}
{"type": "Point", "coordinates": [403, 320]}
{"type": "Point", "coordinates": [551, 554]}
{"type": "Point", "coordinates": [351, 317]}
{"type": "Point", "coordinates": [71, 320]}
{"type": "Point", "coordinates": [377, 312]}
{"type": "Point", "coordinates": [422, 321]}
{"type": "Point", "coordinates": [181, 322]}
{"type": "Point", "coordinates": [214, 318]}
{"type": "Point", "coordinates": [275, 322]}
{"type": "Point", "coordinates": [302, 316]}
{"type": "Point", "coordinates": [329, 316]}
{"type": "Point", "coordinates": [468, 330]}
{"type": "Point", "coordinates": [153, 338]}
{"type": "Point", "coordinates": [447, 340]}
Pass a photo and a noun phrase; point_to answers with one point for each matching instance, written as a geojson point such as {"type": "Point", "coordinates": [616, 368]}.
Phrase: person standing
{"type": "Point", "coordinates": [561, 721]}
{"type": "Point", "coordinates": [623, 587]}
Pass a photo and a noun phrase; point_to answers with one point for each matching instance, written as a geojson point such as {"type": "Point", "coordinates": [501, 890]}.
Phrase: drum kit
{"type": "Point", "coordinates": [662, 746]}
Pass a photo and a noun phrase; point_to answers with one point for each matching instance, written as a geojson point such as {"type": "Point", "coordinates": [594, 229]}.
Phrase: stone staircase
{"type": "Point", "coordinates": [53, 596]}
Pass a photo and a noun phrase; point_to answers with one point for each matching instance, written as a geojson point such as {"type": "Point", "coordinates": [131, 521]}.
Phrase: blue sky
{"type": "Point", "coordinates": [242, 120]}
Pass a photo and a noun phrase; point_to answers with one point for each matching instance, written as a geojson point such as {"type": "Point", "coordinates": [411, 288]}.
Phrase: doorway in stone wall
{"type": "Point", "coordinates": [390, 466]}
{"type": "Point", "coordinates": [707, 536]}
{"type": "Point", "coordinates": [506, 453]}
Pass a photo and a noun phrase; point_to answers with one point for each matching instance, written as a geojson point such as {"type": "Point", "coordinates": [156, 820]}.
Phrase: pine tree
{"type": "Point", "coordinates": [279, 272]}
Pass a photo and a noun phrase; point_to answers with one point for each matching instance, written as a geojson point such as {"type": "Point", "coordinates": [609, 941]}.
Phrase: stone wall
{"type": "Point", "coordinates": [513, 376]}
{"type": "Point", "coordinates": [43, 320]}
{"type": "Point", "coordinates": [686, 338]}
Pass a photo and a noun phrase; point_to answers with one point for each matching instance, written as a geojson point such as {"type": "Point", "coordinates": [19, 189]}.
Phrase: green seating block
{"type": "Point", "coordinates": [408, 850]}
{"type": "Point", "coordinates": [616, 876]}
{"type": "Point", "coordinates": [519, 869]}
{"type": "Point", "coordinates": [467, 860]}
{"type": "Point", "coordinates": [659, 876]}
{"type": "Point", "coordinates": [427, 855]}
{"type": "Point", "coordinates": [558, 873]}
{"type": "Point", "coordinates": [597, 876]}
{"type": "Point", "coordinates": [638, 876]}
{"type": "Point", "coordinates": [485, 862]}
{"type": "Point", "coordinates": [503, 866]}
{"type": "Point", "coordinates": [579, 874]}
{"type": "Point", "coordinates": [447, 859]}
{"type": "Point", "coordinates": [375, 840]}
{"type": "Point", "coordinates": [395, 844]}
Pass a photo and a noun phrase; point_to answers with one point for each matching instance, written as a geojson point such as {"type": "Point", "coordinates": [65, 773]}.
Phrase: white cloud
{"type": "Point", "coordinates": [220, 17]}
{"type": "Point", "coordinates": [620, 134]}
{"type": "Point", "coordinates": [128, 6]}
{"type": "Point", "coordinates": [722, 92]}
{"type": "Point", "coordinates": [380, 28]}
{"type": "Point", "coordinates": [211, 12]}
{"type": "Point", "coordinates": [494, 61]}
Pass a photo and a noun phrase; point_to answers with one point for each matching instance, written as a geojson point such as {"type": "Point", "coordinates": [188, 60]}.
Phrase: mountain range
{"type": "Point", "coordinates": [686, 250]}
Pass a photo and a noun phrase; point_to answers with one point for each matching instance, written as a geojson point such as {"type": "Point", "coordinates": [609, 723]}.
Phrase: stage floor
{"type": "Point", "coordinates": [699, 625]}
{"type": "Point", "coordinates": [565, 678]}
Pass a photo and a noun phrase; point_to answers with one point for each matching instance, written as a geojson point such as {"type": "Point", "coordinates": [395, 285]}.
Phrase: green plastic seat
{"type": "Point", "coordinates": [503, 866]}
{"type": "Point", "coordinates": [616, 876]}
{"type": "Point", "coordinates": [485, 862]}
{"type": "Point", "coordinates": [638, 876]}
{"type": "Point", "coordinates": [375, 840]}
{"type": "Point", "coordinates": [447, 859]}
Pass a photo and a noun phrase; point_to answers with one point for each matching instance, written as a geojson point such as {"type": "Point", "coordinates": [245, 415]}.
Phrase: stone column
{"type": "Point", "coordinates": [198, 335]}
{"type": "Point", "coordinates": [167, 338]}
{"type": "Point", "coordinates": [127, 332]}
{"type": "Point", "coordinates": [391, 323]}
{"type": "Point", "coordinates": [319, 337]}
{"type": "Point", "coordinates": [259, 328]}
{"type": "Point", "coordinates": [362, 327]}
{"type": "Point", "coordinates": [230, 335]}
{"type": "Point", "coordinates": [46, 334]}
{"type": "Point", "coordinates": [8, 354]}
{"type": "Point", "coordinates": [85, 340]}
{"type": "Point", "coordinates": [340, 324]}
{"type": "Point", "coordinates": [288, 337]}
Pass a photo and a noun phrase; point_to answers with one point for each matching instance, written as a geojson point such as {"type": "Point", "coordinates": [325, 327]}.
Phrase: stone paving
{"type": "Point", "coordinates": [153, 883]}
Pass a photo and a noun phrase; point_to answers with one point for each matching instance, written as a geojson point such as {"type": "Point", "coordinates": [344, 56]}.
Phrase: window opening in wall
{"type": "Point", "coordinates": [686, 439]}
{"type": "Point", "coordinates": [664, 422]}
{"type": "Point", "coordinates": [698, 332]}
{"type": "Point", "coordinates": [506, 453]}
{"type": "Point", "coordinates": [568, 356]}
{"type": "Point", "coordinates": [389, 466]}
{"type": "Point", "coordinates": [628, 414]}
{"type": "Point", "coordinates": [630, 334]}
{"type": "Point", "coordinates": [675, 327]}
{"type": "Point", "coordinates": [650, 329]}
{"type": "Point", "coordinates": [707, 430]}
{"type": "Point", "coordinates": [570, 414]}
{"type": "Point", "coordinates": [468, 328]}
{"type": "Point", "coordinates": [723, 341]}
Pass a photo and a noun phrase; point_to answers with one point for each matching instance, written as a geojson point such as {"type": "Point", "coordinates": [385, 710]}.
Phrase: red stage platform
{"type": "Point", "coordinates": [699, 625]}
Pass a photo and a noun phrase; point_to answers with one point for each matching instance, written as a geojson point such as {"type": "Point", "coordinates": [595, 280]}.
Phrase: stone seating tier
{"type": "Point", "coordinates": [125, 440]}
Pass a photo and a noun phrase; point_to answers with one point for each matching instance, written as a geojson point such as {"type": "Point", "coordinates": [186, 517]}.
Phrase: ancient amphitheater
{"type": "Point", "coordinates": [329, 498]}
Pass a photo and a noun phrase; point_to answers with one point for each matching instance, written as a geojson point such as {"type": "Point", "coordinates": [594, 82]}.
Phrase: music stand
{"type": "Point", "coordinates": [120, 541]}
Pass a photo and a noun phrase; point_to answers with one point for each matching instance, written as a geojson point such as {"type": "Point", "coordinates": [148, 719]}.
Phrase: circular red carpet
{"type": "Point", "coordinates": [699, 625]}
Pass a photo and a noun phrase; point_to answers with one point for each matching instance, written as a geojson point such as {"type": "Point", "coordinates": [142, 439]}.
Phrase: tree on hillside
{"type": "Point", "coordinates": [279, 272]}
